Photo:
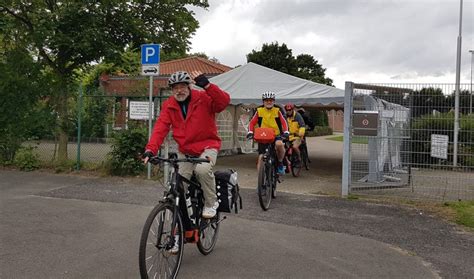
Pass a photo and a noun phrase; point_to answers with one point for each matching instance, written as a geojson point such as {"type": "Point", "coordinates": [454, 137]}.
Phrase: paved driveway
{"type": "Point", "coordinates": [66, 226]}
{"type": "Point", "coordinates": [324, 176]}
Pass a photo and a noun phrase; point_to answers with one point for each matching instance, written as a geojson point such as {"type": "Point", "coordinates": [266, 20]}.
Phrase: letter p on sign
{"type": "Point", "coordinates": [150, 54]}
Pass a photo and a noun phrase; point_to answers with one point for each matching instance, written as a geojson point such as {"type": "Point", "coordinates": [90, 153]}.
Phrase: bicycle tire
{"type": "Point", "coordinates": [155, 243]}
{"type": "Point", "coordinates": [208, 233]}
{"type": "Point", "coordinates": [295, 165]}
{"type": "Point", "coordinates": [273, 175]}
{"type": "Point", "coordinates": [264, 188]}
{"type": "Point", "coordinates": [304, 157]}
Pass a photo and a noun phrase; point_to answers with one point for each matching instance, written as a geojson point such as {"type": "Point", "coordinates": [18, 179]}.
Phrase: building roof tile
{"type": "Point", "coordinates": [193, 63]}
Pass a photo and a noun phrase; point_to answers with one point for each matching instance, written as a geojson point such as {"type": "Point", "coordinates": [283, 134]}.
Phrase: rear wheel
{"type": "Point", "coordinates": [156, 260]}
{"type": "Point", "coordinates": [209, 229]}
{"type": "Point", "coordinates": [264, 185]}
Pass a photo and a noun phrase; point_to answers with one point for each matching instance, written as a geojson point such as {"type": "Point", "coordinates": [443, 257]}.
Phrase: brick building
{"type": "Point", "coordinates": [126, 88]}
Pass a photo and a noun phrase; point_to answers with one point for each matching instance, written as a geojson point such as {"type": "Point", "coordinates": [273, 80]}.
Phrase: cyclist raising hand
{"type": "Point", "coordinates": [269, 116]}
{"type": "Point", "coordinates": [191, 115]}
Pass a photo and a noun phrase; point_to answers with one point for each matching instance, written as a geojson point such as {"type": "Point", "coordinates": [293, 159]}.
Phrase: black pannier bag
{"type": "Point", "coordinates": [227, 189]}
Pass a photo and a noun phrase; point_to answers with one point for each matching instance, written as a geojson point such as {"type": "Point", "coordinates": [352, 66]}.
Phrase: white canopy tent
{"type": "Point", "coordinates": [246, 84]}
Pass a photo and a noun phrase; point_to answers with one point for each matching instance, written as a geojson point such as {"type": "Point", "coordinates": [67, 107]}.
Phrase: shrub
{"type": "Point", "coordinates": [9, 145]}
{"type": "Point", "coordinates": [442, 124]}
{"type": "Point", "coordinates": [26, 159]}
{"type": "Point", "coordinates": [319, 131]}
{"type": "Point", "coordinates": [65, 166]}
{"type": "Point", "coordinates": [317, 116]}
{"type": "Point", "coordinates": [126, 147]}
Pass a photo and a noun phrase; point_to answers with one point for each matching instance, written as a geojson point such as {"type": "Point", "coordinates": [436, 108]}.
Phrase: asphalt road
{"type": "Point", "coordinates": [69, 226]}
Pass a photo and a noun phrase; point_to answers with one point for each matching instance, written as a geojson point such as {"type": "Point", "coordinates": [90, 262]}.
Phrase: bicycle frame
{"type": "Point", "coordinates": [176, 194]}
{"type": "Point", "coordinates": [270, 155]}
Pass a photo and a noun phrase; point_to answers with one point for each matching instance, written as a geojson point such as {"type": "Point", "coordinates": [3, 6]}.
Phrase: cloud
{"type": "Point", "coordinates": [362, 39]}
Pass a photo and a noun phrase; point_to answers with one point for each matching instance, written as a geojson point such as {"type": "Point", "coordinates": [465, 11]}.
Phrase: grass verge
{"type": "Point", "coordinates": [459, 212]}
{"type": "Point", "coordinates": [355, 139]}
{"type": "Point", "coordinates": [464, 212]}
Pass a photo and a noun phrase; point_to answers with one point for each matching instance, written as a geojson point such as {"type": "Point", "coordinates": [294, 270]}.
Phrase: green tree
{"type": "Point", "coordinates": [428, 99]}
{"type": "Point", "coordinates": [20, 89]}
{"type": "Point", "coordinates": [309, 68]}
{"type": "Point", "coordinates": [281, 58]}
{"type": "Point", "coordinates": [464, 101]}
{"type": "Point", "coordinates": [275, 57]}
{"type": "Point", "coordinates": [68, 35]}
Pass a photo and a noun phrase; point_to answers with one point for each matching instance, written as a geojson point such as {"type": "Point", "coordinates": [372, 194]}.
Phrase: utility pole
{"type": "Point", "coordinates": [470, 95]}
{"type": "Point", "coordinates": [456, 96]}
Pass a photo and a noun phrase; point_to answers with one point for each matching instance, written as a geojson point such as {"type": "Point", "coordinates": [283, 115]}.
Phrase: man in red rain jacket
{"type": "Point", "coordinates": [191, 115]}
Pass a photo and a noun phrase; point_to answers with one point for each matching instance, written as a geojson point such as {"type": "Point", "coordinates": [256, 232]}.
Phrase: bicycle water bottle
{"type": "Point", "coordinates": [189, 207]}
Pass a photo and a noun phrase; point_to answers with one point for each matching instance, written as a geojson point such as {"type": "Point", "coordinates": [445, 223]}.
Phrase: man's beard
{"type": "Point", "coordinates": [181, 97]}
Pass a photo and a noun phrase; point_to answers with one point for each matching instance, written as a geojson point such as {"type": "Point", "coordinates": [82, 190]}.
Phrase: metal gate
{"type": "Point", "coordinates": [399, 141]}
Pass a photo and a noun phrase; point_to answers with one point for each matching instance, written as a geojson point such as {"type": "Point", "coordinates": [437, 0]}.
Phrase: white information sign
{"type": "Point", "coordinates": [439, 146]}
{"type": "Point", "coordinates": [139, 110]}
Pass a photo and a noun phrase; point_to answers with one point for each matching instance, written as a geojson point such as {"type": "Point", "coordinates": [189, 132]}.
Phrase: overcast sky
{"type": "Point", "coordinates": [362, 41]}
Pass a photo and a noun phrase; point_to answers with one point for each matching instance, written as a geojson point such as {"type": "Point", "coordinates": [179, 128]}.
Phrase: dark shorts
{"type": "Point", "coordinates": [263, 146]}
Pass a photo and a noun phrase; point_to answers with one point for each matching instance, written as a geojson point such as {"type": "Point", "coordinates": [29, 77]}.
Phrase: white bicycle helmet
{"type": "Point", "coordinates": [268, 95]}
{"type": "Point", "coordinates": [179, 77]}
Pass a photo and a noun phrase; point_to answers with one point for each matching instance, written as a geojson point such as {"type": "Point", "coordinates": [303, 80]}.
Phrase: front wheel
{"type": "Point", "coordinates": [295, 165]}
{"type": "Point", "coordinates": [158, 257]}
{"type": "Point", "coordinates": [209, 229]}
{"type": "Point", "coordinates": [273, 178]}
{"type": "Point", "coordinates": [264, 185]}
{"type": "Point", "coordinates": [304, 157]}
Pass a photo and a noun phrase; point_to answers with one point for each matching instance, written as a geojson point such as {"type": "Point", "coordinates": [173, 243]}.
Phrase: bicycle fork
{"type": "Point", "coordinates": [174, 230]}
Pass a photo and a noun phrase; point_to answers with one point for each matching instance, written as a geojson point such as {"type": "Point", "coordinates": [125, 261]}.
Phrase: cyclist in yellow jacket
{"type": "Point", "coordinates": [270, 116]}
{"type": "Point", "coordinates": [296, 126]}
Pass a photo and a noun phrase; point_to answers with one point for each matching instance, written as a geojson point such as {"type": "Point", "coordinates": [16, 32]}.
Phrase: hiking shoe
{"type": "Point", "coordinates": [209, 212]}
{"type": "Point", "coordinates": [175, 249]}
{"type": "Point", "coordinates": [281, 169]}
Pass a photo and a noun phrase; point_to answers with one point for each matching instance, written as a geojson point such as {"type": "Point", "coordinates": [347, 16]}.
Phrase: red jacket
{"type": "Point", "coordinates": [199, 131]}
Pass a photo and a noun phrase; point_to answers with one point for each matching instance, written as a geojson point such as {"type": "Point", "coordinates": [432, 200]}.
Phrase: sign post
{"type": "Point", "coordinates": [150, 67]}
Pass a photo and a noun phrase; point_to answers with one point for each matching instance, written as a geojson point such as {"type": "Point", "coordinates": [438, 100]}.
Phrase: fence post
{"type": "Point", "coordinates": [346, 161]}
{"type": "Point", "coordinates": [150, 114]}
{"type": "Point", "coordinates": [79, 115]}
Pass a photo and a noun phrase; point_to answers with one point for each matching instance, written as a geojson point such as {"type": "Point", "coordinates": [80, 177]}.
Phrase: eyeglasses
{"type": "Point", "coordinates": [268, 100]}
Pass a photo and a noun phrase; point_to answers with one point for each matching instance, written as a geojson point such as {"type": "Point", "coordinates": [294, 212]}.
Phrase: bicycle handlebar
{"type": "Point", "coordinates": [156, 160]}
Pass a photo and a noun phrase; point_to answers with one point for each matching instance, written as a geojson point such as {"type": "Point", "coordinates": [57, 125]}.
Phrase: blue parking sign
{"type": "Point", "coordinates": [150, 54]}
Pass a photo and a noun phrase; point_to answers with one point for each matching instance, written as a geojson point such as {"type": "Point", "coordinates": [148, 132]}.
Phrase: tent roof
{"type": "Point", "coordinates": [246, 84]}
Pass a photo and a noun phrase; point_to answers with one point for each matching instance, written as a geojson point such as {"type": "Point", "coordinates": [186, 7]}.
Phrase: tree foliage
{"type": "Point", "coordinates": [275, 57]}
{"type": "Point", "coordinates": [21, 86]}
{"type": "Point", "coordinates": [309, 68]}
{"type": "Point", "coordinates": [281, 58]}
{"type": "Point", "coordinates": [424, 101]}
{"type": "Point", "coordinates": [65, 36]}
